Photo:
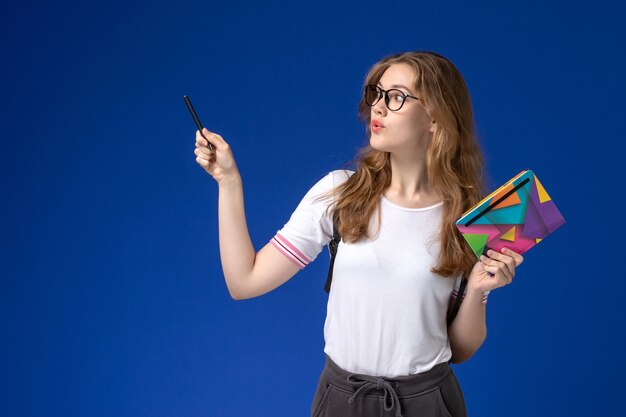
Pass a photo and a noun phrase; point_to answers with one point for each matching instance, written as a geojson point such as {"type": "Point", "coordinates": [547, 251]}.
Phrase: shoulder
{"type": "Point", "coordinates": [330, 181]}
{"type": "Point", "coordinates": [340, 176]}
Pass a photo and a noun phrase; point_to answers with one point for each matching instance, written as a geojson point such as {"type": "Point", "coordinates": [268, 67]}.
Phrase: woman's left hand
{"type": "Point", "coordinates": [495, 270]}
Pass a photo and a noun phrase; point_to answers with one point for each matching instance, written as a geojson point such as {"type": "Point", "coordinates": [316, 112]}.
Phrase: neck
{"type": "Point", "coordinates": [410, 183]}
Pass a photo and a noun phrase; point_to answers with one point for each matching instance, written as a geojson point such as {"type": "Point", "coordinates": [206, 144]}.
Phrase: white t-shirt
{"type": "Point", "coordinates": [386, 312]}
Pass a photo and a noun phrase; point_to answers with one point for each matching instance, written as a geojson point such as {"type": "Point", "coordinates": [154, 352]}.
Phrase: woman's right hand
{"type": "Point", "coordinates": [220, 163]}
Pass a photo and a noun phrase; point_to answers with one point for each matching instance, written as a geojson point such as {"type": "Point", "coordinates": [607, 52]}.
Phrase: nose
{"type": "Point", "coordinates": [380, 108]}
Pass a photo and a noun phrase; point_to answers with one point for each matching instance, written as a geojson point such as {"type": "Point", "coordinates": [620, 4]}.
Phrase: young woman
{"type": "Point", "coordinates": [401, 258]}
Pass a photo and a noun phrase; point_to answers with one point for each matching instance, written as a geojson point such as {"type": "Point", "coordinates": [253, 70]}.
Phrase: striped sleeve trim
{"type": "Point", "coordinates": [290, 251]}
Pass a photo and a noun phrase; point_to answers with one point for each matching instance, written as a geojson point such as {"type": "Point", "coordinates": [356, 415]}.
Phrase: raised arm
{"type": "Point", "coordinates": [248, 274]}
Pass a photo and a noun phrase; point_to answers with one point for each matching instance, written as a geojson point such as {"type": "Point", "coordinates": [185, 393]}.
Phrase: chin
{"type": "Point", "coordinates": [377, 143]}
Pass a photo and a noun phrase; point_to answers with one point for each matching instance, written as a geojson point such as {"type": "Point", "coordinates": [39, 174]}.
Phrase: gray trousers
{"type": "Point", "coordinates": [434, 393]}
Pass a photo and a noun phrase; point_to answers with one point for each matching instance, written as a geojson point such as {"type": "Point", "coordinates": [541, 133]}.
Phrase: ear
{"type": "Point", "coordinates": [433, 126]}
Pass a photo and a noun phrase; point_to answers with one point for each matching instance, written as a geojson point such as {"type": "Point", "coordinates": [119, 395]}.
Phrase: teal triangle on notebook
{"type": "Point", "coordinates": [508, 215]}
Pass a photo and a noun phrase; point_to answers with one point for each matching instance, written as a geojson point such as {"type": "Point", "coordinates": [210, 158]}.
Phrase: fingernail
{"type": "Point", "coordinates": [489, 252]}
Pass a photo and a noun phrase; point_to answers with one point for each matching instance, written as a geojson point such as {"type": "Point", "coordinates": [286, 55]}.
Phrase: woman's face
{"type": "Point", "coordinates": [407, 131]}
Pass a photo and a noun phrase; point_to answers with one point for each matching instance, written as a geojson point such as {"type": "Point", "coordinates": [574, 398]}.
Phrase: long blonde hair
{"type": "Point", "coordinates": [455, 161]}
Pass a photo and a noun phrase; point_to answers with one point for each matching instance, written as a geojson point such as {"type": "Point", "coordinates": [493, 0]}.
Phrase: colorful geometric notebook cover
{"type": "Point", "coordinates": [517, 216]}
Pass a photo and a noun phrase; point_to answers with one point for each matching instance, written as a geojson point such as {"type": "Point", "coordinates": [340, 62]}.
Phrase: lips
{"type": "Point", "coordinates": [376, 125]}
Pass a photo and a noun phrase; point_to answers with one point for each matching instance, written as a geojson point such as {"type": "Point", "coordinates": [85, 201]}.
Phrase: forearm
{"type": "Point", "coordinates": [236, 250]}
{"type": "Point", "coordinates": [468, 330]}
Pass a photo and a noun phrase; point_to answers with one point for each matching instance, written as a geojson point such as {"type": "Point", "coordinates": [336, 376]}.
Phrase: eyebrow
{"type": "Point", "coordinates": [398, 86]}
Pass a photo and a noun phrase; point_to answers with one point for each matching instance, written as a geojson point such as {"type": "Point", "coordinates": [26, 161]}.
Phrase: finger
{"type": "Point", "coordinates": [516, 256]}
{"type": "Point", "coordinates": [496, 263]}
{"type": "Point", "coordinates": [498, 275]}
{"type": "Point", "coordinates": [203, 151]}
{"type": "Point", "coordinates": [498, 266]}
{"type": "Point", "coordinates": [204, 163]}
{"type": "Point", "coordinates": [215, 139]}
{"type": "Point", "coordinates": [507, 260]}
{"type": "Point", "coordinates": [202, 160]}
{"type": "Point", "coordinates": [202, 142]}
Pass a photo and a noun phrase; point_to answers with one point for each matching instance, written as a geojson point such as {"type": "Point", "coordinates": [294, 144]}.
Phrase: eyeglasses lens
{"type": "Point", "coordinates": [372, 95]}
{"type": "Point", "coordinates": [394, 100]}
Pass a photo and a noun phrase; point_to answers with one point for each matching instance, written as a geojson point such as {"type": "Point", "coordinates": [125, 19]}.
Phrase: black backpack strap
{"type": "Point", "coordinates": [332, 247]}
{"type": "Point", "coordinates": [457, 302]}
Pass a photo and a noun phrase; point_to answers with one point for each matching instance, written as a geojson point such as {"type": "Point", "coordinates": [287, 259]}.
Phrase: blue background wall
{"type": "Point", "coordinates": [113, 301]}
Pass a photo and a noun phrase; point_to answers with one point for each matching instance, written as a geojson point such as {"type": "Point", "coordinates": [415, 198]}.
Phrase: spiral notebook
{"type": "Point", "coordinates": [518, 215]}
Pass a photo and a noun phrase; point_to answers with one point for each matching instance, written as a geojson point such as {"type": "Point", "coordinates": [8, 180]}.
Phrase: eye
{"type": "Point", "coordinates": [396, 96]}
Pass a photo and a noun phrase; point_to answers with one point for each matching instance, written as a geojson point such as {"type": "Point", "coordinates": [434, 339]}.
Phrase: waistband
{"type": "Point", "coordinates": [390, 388]}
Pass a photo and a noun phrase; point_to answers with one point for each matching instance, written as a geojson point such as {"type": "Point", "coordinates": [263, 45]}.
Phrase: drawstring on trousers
{"type": "Point", "coordinates": [366, 383]}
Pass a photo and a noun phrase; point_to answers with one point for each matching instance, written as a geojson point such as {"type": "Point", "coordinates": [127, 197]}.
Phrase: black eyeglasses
{"type": "Point", "coordinates": [394, 98]}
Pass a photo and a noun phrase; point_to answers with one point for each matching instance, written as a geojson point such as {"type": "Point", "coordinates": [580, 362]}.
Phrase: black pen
{"type": "Point", "coordinates": [197, 120]}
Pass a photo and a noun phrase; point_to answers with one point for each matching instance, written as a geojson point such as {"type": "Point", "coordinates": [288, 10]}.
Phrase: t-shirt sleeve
{"type": "Point", "coordinates": [310, 227]}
